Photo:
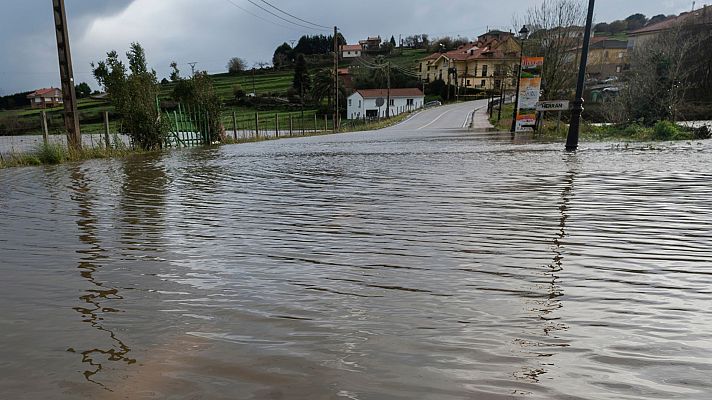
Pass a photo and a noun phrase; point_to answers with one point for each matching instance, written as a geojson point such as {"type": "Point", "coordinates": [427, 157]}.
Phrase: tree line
{"type": "Point", "coordinates": [633, 22]}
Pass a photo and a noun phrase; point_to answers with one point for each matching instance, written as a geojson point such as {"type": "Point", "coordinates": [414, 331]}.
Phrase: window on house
{"type": "Point", "coordinates": [393, 102]}
{"type": "Point", "coordinates": [483, 83]}
{"type": "Point", "coordinates": [359, 104]}
{"type": "Point", "coordinates": [409, 102]}
{"type": "Point", "coordinates": [620, 54]}
{"type": "Point", "coordinates": [619, 69]}
{"type": "Point", "coordinates": [484, 70]}
{"type": "Point", "coordinates": [468, 82]}
{"type": "Point", "coordinates": [497, 83]}
{"type": "Point", "coordinates": [349, 102]}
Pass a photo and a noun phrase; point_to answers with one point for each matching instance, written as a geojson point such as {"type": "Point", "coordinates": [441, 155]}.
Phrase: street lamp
{"type": "Point", "coordinates": [523, 34]}
{"type": "Point", "coordinates": [575, 125]}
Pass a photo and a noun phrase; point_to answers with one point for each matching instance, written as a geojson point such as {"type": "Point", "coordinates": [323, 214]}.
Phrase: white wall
{"type": "Point", "coordinates": [399, 105]}
{"type": "Point", "coordinates": [351, 53]}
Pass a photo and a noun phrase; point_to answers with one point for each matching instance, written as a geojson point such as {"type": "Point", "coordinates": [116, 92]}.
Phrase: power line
{"type": "Point", "coordinates": [293, 16]}
{"type": "Point", "coordinates": [259, 17]}
{"type": "Point", "coordinates": [282, 18]}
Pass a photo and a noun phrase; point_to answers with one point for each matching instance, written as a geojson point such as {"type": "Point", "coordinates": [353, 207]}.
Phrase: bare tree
{"type": "Point", "coordinates": [556, 28]}
{"type": "Point", "coordinates": [236, 64]}
{"type": "Point", "coordinates": [662, 73]}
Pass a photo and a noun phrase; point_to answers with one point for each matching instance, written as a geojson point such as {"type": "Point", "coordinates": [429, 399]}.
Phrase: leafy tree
{"type": "Point", "coordinates": [318, 44]}
{"type": "Point", "coordinates": [656, 19]}
{"type": "Point", "coordinates": [283, 56]}
{"type": "Point", "coordinates": [175, 72]}
{"type": "Point", "coordinates": [393, 41]}
{"type": "Point", "coordinates": [199, 95]}
{"type": "Point", "coordinates": [602, 27]}
{"type": "Point", "coordinates": [134, 93]}
{"type": "Point", "coordinates": [235, 65]}
{"type": "Point", "coordinates": [165, 81]}
{"type": "Point", "coordinates": [618, 26]}
{"type": "Point", "coordinates": [82, 90]}
{"type": "Point", "coordinates": [301, 79]}
{"type": "Point", "coordinates": [636, 21]}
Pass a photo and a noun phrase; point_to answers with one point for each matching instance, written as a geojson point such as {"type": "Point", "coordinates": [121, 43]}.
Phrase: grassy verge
{"type": "Point", "coordinates": [52, 154]}
{"type": "Point", "coordinates": [359, 126]}
{"type": "Point", "coordinates": [662, 131]}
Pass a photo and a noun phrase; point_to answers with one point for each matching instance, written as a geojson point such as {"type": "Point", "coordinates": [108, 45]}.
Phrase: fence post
{"type": "Point", "coordinates": [326, 124]}
{"type": "Point", "coordinates": [234, 126]}
{"type": "Point", "coordinates": [315, 123]}
{"type": "Point", "coordinates": [276, 124]}
{"type": "Point", "coordinates": [45, 128]}
{"type": "Point", "coordinates": [106, 130]}
{"type": "Point", "coordinates": [257, 125]}
{"type": "Point", "coordinates": [291, 126]}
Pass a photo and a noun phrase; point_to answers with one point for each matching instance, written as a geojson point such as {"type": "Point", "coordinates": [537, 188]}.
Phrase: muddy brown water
{"type": "Point", "coordinates": [390, 265]}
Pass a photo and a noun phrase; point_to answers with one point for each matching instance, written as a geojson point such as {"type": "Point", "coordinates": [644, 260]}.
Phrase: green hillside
{"type": "Point", "coordinates": [264, 82]}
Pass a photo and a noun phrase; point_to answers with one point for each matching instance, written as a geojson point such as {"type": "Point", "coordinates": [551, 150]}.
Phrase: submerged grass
{"type": "Point", "coordinates": [54, 153]}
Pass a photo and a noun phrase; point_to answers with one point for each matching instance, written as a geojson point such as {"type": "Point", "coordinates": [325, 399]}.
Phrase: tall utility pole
{"type": "Point", "coordinates": [523, 33]}
{"type": "Point", "coordinates": [388, 93]}
{"type": "Point", "coordinates": [336, 80]}
{"type": "Point", "coordinates": [573, 138]}
{"type": "Point", "coordinates": [192, 67]}
{"type": "Point", "coordinates": [66, 73]}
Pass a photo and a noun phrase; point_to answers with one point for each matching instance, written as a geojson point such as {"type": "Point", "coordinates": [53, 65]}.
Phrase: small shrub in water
{"type": "Point", "coordinates": [665, 130]}
{"type": "Point", "coordinates": [51, 154]}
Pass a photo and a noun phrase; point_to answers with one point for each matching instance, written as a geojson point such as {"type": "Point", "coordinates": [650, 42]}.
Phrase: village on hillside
{"type": "Point", "coordinates": [380, 78]}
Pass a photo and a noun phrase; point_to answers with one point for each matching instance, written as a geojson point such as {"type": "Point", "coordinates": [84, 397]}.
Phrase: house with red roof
{"type": "Point", "coordinates": [488, 64]}
{"type": "Point", "coordinates": [701, 18]}
{"type": "Point", "coordinates": [351, 50]}
{"type": "Point", "coordinates": [45, 98]}
{"type": "Point", "coordinates": [373, 103]}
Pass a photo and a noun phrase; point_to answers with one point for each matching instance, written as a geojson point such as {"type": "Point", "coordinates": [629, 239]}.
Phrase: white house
{"type": "Point", "coordinates": [351, 50]}
{"type": "Point", "coordinates": [364, 103]}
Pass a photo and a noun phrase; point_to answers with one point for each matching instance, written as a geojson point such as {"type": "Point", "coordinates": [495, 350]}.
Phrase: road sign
{"type": "Point", "coordinates": [556, 105]}
{"type": "Point", "coordinates": [380, 102]}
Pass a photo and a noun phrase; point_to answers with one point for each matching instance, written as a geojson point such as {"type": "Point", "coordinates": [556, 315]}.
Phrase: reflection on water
{"type": "Point", "coordinates": [363, 266]}
{"type": "Point", "coordinates": [100, 299]}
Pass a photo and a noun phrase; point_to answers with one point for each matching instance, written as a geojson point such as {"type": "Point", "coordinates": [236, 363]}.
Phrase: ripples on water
{"type": "Point", "coordinates": [361, 267]}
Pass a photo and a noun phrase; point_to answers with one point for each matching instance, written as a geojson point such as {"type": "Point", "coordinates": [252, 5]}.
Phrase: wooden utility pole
{"type": "Point", "coordinates": [336, 80]}
{"type": "Point", "coordinates": [45, 128]}
{"type": "Point", "coordinates": [66, 73]}
{"type": "Point", "coordinates": [388, 93]}
{"type": "Point", "coordinates": [107, 142]}
{"type": "Point", "coordinates": [234, 126]}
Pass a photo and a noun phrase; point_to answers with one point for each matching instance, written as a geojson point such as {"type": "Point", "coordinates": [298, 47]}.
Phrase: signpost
{"type": "Point", "coordinates": [379, 103]}
{"type": "Point", "coordinates": [529, 91]}
{"type": "Point", "coordinates": [555, 105]}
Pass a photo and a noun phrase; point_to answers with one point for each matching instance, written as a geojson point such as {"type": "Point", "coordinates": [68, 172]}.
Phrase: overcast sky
{"type": "Point", "coordinates": [211, 31]}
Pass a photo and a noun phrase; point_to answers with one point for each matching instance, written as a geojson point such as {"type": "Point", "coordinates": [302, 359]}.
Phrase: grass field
{"type": "Point", "coordinates": [268, 82]}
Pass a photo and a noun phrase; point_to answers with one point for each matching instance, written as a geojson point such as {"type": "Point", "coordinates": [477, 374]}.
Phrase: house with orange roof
{"type": "Point", "coordinates": [488, 64]}
{"type": "Point", "coordinates": [45, 98]}
{"type": "Point", "coordinates": [351, 50]}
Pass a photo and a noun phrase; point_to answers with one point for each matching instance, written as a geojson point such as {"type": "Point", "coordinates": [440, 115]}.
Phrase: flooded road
{"type": "Point", "coordinates": [431, 263]}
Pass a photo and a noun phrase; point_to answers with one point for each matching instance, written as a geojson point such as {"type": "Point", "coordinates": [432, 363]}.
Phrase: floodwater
{"type": "Point", "coordinates": [400, 264]}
